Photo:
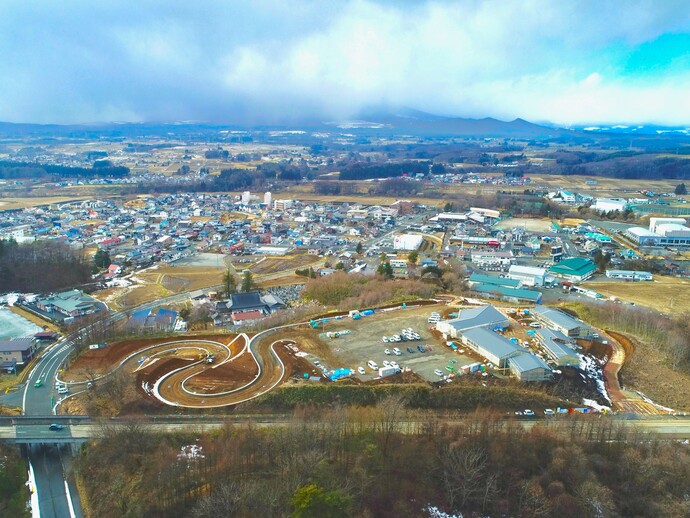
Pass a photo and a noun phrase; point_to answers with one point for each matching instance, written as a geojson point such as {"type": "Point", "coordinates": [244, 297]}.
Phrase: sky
{"type": "Point", "coordinates": [270, 61]}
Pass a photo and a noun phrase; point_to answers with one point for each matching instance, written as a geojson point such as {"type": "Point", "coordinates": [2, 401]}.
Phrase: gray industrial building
{"type": "Point", "coordinates": [557, 348]}
{"type": "Point", "coordinates": [484, 316]}
{"type": "Point", "coordinates": [492, 346]}
{"type": "Point", "coordinates": [559, 321]}
{"type": "Point", "coordinates": [529, 367]}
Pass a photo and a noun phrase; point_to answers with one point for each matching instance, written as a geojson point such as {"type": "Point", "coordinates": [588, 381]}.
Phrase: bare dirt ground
{"type": "Point", "coordinates": [655, 378]}
{"type": "Point", "coordinates": [228, 376]}
{"type": "Point", "coordinates": [289, 263]}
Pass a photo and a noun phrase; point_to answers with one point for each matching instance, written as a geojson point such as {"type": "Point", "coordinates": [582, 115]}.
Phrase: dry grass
{"type": "Point", "coordinates": [665, 294]}
{"type": "Point", "coordinates": [287, 264]}
{"type": "Point", "coordinates": [23, 203]}
{"type": "Point", "coordinates": [648, 371]}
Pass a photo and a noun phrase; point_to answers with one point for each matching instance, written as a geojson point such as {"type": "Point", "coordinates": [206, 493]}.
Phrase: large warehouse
{"type": "Point", "coordinates": [671, 232]}
{"type": "Point", "coordinates": [557, 348]}
{"type": "Point", "coordinates": [575, 269]}
{"type": "Point", "coordinates": [527, 275]}
{"type": "Point", "coordinates": [492, 346]}
{"type": "Point", "coordinates": [559, 321]}
{"type": "Point", "coordinates": [407, 242]}
{"type": "Point", "coordinates": [484, 316]}
{"type": "Point", "coordinates": [529, 367]}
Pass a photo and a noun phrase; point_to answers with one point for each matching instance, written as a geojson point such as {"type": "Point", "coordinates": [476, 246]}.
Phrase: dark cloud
{"type": "Point", "coordinates": [262, 61]}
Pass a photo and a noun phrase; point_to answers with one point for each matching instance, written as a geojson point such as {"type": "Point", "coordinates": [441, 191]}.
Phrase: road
{"type": "Point", "coordinates": [665, 427]}
{"type": "Point", "coordinates": [50, 473]}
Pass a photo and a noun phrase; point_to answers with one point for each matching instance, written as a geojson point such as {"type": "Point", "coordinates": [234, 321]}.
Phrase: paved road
{"type": "Point", "coordinates": [666, 427]}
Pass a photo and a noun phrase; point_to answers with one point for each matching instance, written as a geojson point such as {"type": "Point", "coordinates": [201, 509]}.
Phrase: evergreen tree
{"type": "Point", "coordinates": [248, 282]}
{"type": "Point", "coordinates": [101, 259]}
{"type": "Point", "coordinates": [229, 283]}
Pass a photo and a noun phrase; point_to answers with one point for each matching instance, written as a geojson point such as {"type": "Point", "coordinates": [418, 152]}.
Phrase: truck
{"type": "Point", "coordinates": [388, 371]}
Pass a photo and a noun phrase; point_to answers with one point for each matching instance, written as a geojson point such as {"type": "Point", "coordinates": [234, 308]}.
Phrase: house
{"type": "Point", "coordinates": [72, 303]}
{"type": "Point", "coordinates": [485, 316]}
{"type": "Point", "coordinates": [574, 270]}
{"type": "Point", "coordinates": [529, 367]}
{"type": "Point", "coordinates": [17, 351]}
{"type": "Point", "coordinates": [508, 294]}
{"type": "Point", "coordinates": [492, 346]}
{"type": "Point", "coordinates": [555, 345]}
{"type": "Point", "coordinates": [559, 321]}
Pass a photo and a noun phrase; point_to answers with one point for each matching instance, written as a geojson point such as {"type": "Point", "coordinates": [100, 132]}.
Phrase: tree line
{"type": "Point", "coordinates": [18, 170]}
{"type": "Point", "coordinates": [387, 460]}
{"type": "Point", "coordinates": [41, 266]}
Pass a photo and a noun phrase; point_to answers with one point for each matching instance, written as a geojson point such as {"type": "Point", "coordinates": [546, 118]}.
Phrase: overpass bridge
{"type": "Point", "coordinates": [78, 429]}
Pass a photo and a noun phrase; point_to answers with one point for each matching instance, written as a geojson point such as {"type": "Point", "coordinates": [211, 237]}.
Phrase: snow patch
{"type": "Point", "coordinates": [35, 511]}
{"type": "Point", "coordinates": [435, 512]}
{"type": "Point", "coordinates": [646, 399]}
{"type": "Point", "coordinates": [191, 452]}
{"type": "Point", "coordinates": [593, 369]}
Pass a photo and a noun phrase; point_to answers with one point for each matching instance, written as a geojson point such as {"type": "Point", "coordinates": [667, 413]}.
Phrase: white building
{"type": "Point", "coordinates": [527, 275]}
{"type": "Point", "coordinates": [268, 199]}
{"type": "Point", "coordinates": [610, 204]}
{"type": "Point", "coordinates": [407, 242]}
{"type": "Point", "coordinates": [654, 223]}
{"type": "Point", "coordinates": [246, 197]}
{"type": "Point", "coordinates": [282, 204]}
{"type": "Point", "coordinates": [492, 259]}
{"type": "Point", "coordinates": [629, 275]}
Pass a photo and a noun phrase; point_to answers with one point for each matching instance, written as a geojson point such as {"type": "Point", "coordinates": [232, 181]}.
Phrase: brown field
{"type": "Point", "coordinates": [648, 370]}
{"type": "Point", "coordinates": [289, 263]}
{"type": "Point", "coordinates": [183, 278]}
{"type": "Point", "coordinates": [665, 294]}
{"type": "Point", "coordinates": [604, 186]}
{"type": "Point", "coordinates": [22, 203]}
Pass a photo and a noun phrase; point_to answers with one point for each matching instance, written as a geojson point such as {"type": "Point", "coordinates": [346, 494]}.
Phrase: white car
{"type": "Point", "coordinates": [385, 339]}
{"type": "Point", "coordinates": [387, 352]}
{"type": "Point", "coordinates": [396, 351]}
{"type": "Point", "coordinates": [528, 412]}
{"type": "Point", "coordinates": [549, 411]}
{"type": "Point", "coordinates": [438, 372]}
{"type": "Point", "coordinates": [396, 338]}
{"type": "Point", "coordinates": [372, 365]}
{"type": "Point", "coordinates": [394, 364]}
{"type": "Point", "coordinates": [386, 363]}
{"type": "Point", "coordinates": [535, 324]}
{"type": "Point", "coordinates": [361, 370]}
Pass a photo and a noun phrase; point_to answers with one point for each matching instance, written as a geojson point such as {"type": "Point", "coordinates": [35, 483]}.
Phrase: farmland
{"type": "Point", "coordinates": [665, 294]}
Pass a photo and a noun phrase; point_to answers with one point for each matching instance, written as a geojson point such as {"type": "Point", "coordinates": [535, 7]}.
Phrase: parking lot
{"type": "Point", "coordinates": [365, 342]}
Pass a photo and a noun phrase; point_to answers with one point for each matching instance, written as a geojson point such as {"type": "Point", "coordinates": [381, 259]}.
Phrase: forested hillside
{"type": "Point", "coordinates": [40, 267]}
{"type": "Point", "coordinates": [356, 462]}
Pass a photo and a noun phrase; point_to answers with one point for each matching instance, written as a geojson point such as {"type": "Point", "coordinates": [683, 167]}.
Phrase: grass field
{"type": "Point", "coordinates": [665, 294]}
{"type": "Point", "coordinates": [288, 264]}
{"type": "Point", "coordinates": [23, 203]}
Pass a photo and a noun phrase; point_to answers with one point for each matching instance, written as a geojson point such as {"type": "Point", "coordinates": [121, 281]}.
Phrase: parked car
{"type": "Point", "coordinates": [63, 390]}
{"type": "Point", "coordinates": [387, 351]}
{"type": "Point", "coordinates": [395, 365]}
{"type": "Point", "coordinates": [438, 372]}
{"type": "Point", "coordinates": [535, 324]}
{"type": "Point", "coordinates": [385, 339]}
{"type": "Point", "coordinates": [361, 370]}
{"type": "Point", "coordinates": [386, 363]}
{"type": "Point", "coordinates": [421, 349]}
{"type": "Point", "coordinates": [549, 411]}
{"type": "Point", "coordinates": [372, 365]}
{"type": "Point", "coordinates": [396, 351]}
{"type": "Point", "coordinates": [529, 413]}
{"type": "Point", "coordinates": [410, 350]}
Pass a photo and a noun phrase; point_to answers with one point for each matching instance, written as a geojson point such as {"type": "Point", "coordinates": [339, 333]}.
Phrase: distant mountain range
{"type": "Point", "coordinates": [374, 121]}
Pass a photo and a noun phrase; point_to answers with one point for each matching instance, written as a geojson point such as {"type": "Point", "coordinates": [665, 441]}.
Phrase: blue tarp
{"type": "Point", "coordinates": [339, 373]}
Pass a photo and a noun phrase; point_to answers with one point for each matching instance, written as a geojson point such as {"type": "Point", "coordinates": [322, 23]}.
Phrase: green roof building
{"type": "Point", "coordinates": [574, 270]}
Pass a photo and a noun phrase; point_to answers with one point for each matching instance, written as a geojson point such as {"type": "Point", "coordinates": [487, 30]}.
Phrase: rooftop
{"type": "Point", "coordinates": [478, 317]}
{"type": "Point", "coordinates": [491, 342]}
{"type": "Point", "coordinates": [18, 344]}
{"type": "Point", "coordinates": [527, 362]}
{"type": "Point", "coordinates": [557, 317]}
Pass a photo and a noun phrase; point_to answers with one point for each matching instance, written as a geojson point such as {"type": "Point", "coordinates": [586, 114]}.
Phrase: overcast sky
{"type": "Point", "coordinates": [566, 62]}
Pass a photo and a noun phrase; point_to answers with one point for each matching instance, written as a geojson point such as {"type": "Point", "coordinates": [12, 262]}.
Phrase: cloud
{"type": "Point", "coordinates": [268, 60]}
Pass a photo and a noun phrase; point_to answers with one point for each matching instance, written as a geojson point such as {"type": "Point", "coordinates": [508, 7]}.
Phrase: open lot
{"type": "Point", "coordinates": [201, 261]}
{"type": "Point", "coordinates": [288, 264]}
{"type": "Point", "coordinates": [665, 294]}
{"type": "Point", "coordinates": [530, 224]}
{"type": "Point", "coordinates": [365, 343]}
